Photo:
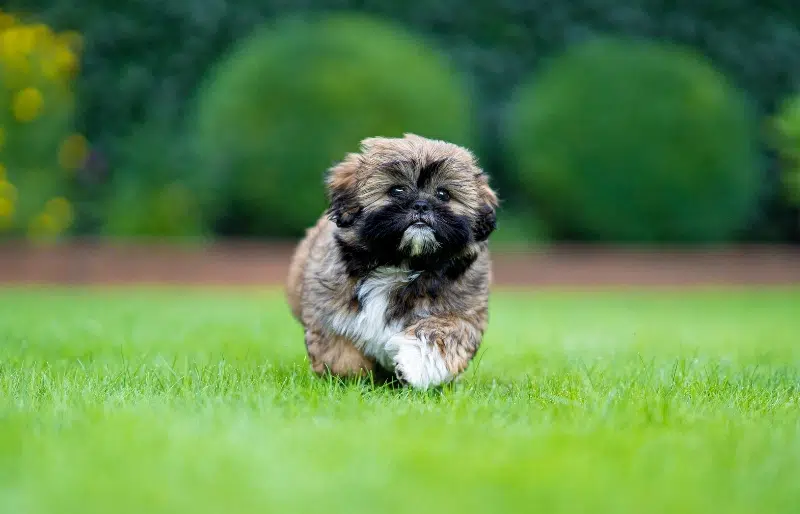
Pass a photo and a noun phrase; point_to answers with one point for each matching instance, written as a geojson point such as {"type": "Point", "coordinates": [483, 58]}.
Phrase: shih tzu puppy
{"type": "Point", "coordinates": [393, 280]}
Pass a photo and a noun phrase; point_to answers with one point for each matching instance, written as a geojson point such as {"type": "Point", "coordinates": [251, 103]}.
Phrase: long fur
{"type": "Point", "coordinates": [394, 278]}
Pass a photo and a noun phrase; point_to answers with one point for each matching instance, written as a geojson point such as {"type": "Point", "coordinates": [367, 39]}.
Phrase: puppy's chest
{"type": "Point", "coordinates": [377, 296]}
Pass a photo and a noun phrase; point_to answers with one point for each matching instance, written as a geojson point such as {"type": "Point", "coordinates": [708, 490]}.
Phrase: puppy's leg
{"type": "Point", "coordinates": [435, 350]}
{"type": "Point", "coordinates": [336, 355]}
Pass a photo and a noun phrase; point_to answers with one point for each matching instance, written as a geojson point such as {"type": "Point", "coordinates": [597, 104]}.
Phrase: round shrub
{"type": "Point", "coordinates": [628, 141]}
{"type": "Point", "coordinates": [39, 152]}
{"type": "Point", "coordinates": [296, 97]}
{"type": "Point", "coordinates": [156, 191]}
{"type": "Point", "coordinates": [786, 131]}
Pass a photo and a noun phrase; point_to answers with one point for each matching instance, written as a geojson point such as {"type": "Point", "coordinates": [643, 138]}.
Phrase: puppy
{"type": "Point", "coordinates": [393, 280]}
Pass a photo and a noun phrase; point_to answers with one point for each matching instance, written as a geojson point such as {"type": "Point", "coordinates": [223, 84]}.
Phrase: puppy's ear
{"type": "Point", "coordinates": [486, 220]}
{"type": "Point", "coordinates": [341, 184]}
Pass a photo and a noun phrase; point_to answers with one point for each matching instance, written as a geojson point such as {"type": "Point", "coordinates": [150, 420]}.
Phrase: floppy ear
{"type": "Point", "coordinates": [486, 221]}
{"type": "Point", "coordinates": [341, 187]}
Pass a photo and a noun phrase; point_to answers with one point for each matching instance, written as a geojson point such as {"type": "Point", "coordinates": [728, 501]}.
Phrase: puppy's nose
{"type": "Point", "coordinates": [422, 206]}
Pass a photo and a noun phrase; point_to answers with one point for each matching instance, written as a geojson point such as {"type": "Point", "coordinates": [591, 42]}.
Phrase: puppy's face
{"type": "Point", "coordinates": [413, 197]}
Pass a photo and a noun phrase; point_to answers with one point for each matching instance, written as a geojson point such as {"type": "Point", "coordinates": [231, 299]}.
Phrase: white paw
{"type": "Point", "coordinates": [418, 363]}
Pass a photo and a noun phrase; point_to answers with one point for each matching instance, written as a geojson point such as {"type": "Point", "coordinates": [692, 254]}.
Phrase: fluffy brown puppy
{"type": "Point", "coordinates": [394, 279]}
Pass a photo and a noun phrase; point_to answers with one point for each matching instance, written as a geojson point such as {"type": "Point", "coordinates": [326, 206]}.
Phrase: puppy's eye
{"type": "Point", "coordinates": [397, 190]}
{"type": "Point", "coordinates": [442, 195]}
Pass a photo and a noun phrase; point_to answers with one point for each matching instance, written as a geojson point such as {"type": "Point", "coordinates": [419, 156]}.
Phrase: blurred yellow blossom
{"type": "Point", "coordinates": [8, 191]}
{"type": "Point", "coordinates": [6, 213]}
{"type": "Point", "coordinates": [18, 41]}
{"type": "Point", "coordinates": [6, 208]}
{"type": "Point", "coordinates": [24, 45]}
{"type": "Point", "coordinates": [6, 20]}
{"type": "Point", "coordinates": [60, 210]}
{"type": "Point", "coordinates": [43, 37]}
{"type": "Point", "coordinates": [28, 104]}
{"type": "Point", "coordinates": [73, 151]}
{"type": "Point", "coordinates": [42, 225]}
{"type": "Point", "coordinates": [65, 60]}
{"type": "Point", "coordinates": [37, 66]}
{"type": "Point", "coordinates": [12, 61]}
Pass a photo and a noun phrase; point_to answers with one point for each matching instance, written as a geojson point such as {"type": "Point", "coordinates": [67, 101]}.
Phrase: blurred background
{"type": "Point", "coordinates": [601, 122]}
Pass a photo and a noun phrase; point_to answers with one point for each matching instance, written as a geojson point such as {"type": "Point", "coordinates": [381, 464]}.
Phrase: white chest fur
{"type": "Point", "coordinates": [419, 363]}
{"type": "Point", "coordinates": [368, 327]}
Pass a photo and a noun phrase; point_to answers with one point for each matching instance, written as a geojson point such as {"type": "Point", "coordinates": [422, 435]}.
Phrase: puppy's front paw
{"type": "Point", "coordinates": [419, 364]}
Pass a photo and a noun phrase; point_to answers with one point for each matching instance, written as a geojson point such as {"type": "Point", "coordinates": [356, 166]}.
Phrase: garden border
{"type": "Point", "coordinates": [237, 263]}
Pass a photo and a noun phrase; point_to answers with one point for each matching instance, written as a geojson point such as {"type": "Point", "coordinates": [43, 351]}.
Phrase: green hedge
{"type": "Point", "coordinates": [621, 140]}
{"type": "Point", "coordinates": [785, 129]}
{"type": "Point", "coordinates": [160, 189]}
{"type": "Point", "coordinates": [148, 56]}
{"type": "Point", "coordinates": [296, 97]}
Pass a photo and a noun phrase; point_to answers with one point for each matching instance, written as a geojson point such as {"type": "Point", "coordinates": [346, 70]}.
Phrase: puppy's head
{"type": "Point", "coordinates": [411, 197]}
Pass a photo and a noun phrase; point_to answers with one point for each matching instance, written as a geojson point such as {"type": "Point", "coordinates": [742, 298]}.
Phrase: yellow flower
{"type": "Point", "coordinates": [8, 191]}
{"type": "Point", "coordinates": [6, 208]}
{"type": "Point", "coordinates": [60, 210]}
{"type": "Point", "coordinates": [73, 151]}
{"type": "Point", "coordinates": [28, 104]}
{"type": "Point", "coordinates": [65, 60]}
{"type": "Point", "coordinates": [43, 37]}
{"type": "Point", "coordinates": [42, 225]}
{"type": "Point", "coordinates": [6, 21]}
{"type": "Point", "coordinates": [12, 55]}
{"type": "Point", "coordinates": [17, 41]}
{"type": "Point", "coordinates": [61, 63]}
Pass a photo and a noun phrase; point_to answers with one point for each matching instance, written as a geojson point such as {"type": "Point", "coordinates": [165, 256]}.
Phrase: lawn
{"type": "Point", "coordinates": [199, 401]}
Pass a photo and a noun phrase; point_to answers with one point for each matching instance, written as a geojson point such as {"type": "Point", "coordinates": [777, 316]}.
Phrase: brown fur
{"type": "Point", "coordinates": [336, 354]}
{"type": "Point", "coordinates": [445, 305]}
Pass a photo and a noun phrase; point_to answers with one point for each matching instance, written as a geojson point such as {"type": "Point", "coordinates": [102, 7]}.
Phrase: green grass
{"type": "Point", "coordinates": [160, 401]}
